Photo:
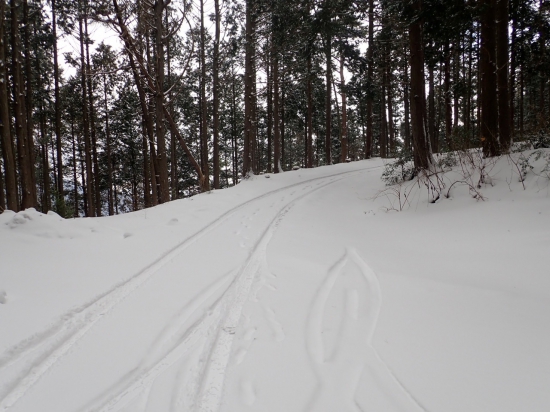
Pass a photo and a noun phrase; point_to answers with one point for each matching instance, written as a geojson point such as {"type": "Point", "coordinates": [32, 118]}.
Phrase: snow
{"type": "Point", "coordinates": [301, 292]}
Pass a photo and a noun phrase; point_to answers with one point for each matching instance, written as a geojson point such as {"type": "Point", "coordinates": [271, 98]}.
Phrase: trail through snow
{"type": "Point", "coordinates": [294, 293]}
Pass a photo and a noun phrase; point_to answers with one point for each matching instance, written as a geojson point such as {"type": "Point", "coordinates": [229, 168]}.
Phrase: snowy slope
{"type": "Point", "coordinates": [300, 292]}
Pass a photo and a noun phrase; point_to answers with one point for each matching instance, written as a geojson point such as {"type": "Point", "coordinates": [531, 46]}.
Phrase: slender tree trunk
{"type": "Point", "coordinates": [456, 81]}
{"type": "Point", "coordinates": [344, 129]}
{"type": "Point", "coordinates": [489, 103]}
{"type": "Point", "coordinates": [57, 109]}
{"type": "Point", "coordinates": [46, 196]}
{"type": "Point", "coordinates": [204, 113]}
{"type": "Point", "coordinates": [2, 195]}
{"type": "Point", "coordinates": [110, 199]}
{"type": "Point", "coordinates": [447, 93]}
{"type": "Point", "coordinates": [27, 80]}
{"type": "Point", "coordinates": [146, 168]}
{"type": "Point", "coordinates": [276, 119]}
{"type": "Point", "coordinates": [406, 98]}
{"type": "Point", "coordinates": [543, 71]}
{"type": "Point", "coordinates": [28, 187]}
{"type": "Point", "coordinates": [90, 205]}
{"type": "Point", "coordinates": [431, 111]}
{"type": "Point", "coordinates": [422, 155]}
{"type": "Point", "coordinates": [328, 101]}
{"type": "Point", "coordinates": [173, 140]}
{"type": "Point", "coordinates": [249, 97]}
{"type": "Point", "coordinates": [513, 62]}
{"type": "Point", "coordinates": [391, 129]}
{"type": "Point", "coordinates": [282, 116]}
{"type": "Point", "coordinates": [502, 76]}
{"type": "Point", "coordinates": [216, 98]}
{"type": "Point", "coordinates": [6, 137]}
{"type": "Point", "coordinates": [76, 212]}
{"type": "Point", "coordinates": [468, 110]}
{"type": "Point", "coordinates": [370, 63]}
{"type": "Point", "coordinates": [269, 97]}
{"type": "Point", "coordinates": [309, 91]}
{"type": "Point", "coordinates": [162, 160]}
{"type": "Point", "coordinates": [92, 119]}
{"type": "Point", "coordinates": [383, 119]}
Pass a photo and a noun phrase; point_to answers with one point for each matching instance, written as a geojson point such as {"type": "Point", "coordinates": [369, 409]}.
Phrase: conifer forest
{"type": "Point", "coordinates": [158, 100]}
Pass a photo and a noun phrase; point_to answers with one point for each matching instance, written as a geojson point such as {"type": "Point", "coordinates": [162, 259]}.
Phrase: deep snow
{"type": "Point", "coordinates": [300, 292]}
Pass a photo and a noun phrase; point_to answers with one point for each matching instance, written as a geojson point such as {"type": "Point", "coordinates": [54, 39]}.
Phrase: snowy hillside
{"type": "Point", "coordinates": [303, 291]}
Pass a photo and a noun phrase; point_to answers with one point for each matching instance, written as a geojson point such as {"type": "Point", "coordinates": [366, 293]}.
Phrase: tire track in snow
{"type": "Point", "coordinates": [13, 354]}
{"type": "Point", "coordinates": [72, 326]}
{"type": "Point", "coordinates": [214, 332]}
{"type": "Point", "coordinates": [332, 374]}
{"type": "Point", "coordinates": [211, 380]}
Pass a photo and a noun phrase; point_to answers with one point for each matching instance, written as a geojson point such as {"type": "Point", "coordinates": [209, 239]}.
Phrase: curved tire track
{"type": "Point", "coordinates": [76, 323]}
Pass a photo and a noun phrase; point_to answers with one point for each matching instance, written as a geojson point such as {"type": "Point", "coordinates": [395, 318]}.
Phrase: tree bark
{"type": "Point", "coordinates": [344, 128]}
{"type": "Point", "coordinates": [162, 159]}
{"type": "Point", "coordinates": [309, 91]}
{"type": "Point", "coordinates": [422, 155]}
{"type": "Point", "coordinates": [215, 93]}
{"type": "Point", "coordinates": [7, 141]}
{"type": "Point", "coordinates": [370, 63]}
{"type": "Point", "coordinates": [489, 103]}
{"type": "Point", "coordinates": [276, 119]}
{"type": "Point", "coordinates": [57, 109]}
{"type": "Point", "coordinates": [406, 98]}
{"type": "Point", "coordinates": [90, 205]}
{"type": "Point", "coordinates": [92, 119]}
{"type": "Point", "coordinates": [28, 187]}
{"type": "Point", "coordinates": [328, 101]}
{"type": "Point", "coordinates": [447, 94]}
{"type": "Point", "coordinates": [249, 96]}
{"type": "Point", "coordinates": [502, 76]}
{"type": "Point", "coordinates": [204, 113]}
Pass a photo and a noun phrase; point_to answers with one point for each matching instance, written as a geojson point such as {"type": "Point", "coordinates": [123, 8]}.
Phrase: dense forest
{"type": "Point", "coordinates": [199, 95]}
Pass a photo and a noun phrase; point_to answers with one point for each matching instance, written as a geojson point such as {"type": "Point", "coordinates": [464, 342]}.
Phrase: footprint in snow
{"type": "Point", "coordinates": [3, 297]}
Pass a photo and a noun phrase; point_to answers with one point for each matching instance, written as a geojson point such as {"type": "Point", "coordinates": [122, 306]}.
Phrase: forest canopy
{"type": "Point", "coordinates": [199, 95]}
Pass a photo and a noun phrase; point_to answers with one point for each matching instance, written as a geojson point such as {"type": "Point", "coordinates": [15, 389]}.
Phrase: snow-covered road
{"type": "Point", "coordinates": [294, 293]}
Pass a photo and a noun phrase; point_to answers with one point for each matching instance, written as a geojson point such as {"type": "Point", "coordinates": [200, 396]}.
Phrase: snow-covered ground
{"type": "Point", "coordinates": [297, 292]}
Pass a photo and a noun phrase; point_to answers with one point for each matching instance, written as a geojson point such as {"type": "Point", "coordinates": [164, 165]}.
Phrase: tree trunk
{"type": "Point", "coordinates": [276, 119]}
{"type": "Point", "coordinates": [309, 91]}
{"type": "Point", "coordinates": [249, 97]}
{"type": "Point", "coordinates": [383, 119]}
{"type": "Point", "coordinates": [513, 62]}
{"type": "Point", "coordinates": [422, 155]}
{"type": "Point", "coordinates": [75, 172]}
{"type": "Point", "coordinates": [489, 103]}
{"type": "Point", "coordinates": [57, 109]}
{"type": "Point", "coordinates": [164, 190]}
{"type": "Point", "coordinates": [447, 93]}
{"type": "Point", "coordinates": [543, 71]}
{"type": "Point", "coordinates": [370, 64]}
{"type": "Point", "coordinates": [28, 188]}
{"type": "Point", "coordinates": [391, 129]}
{"type": "Point", "coordinates": [502, 76]}
{"type": "Point", "coordinates": [90, 205]}
{"type": "Point", "coordinates": [269, 97]}
{"type": "Point", "coordinates": [28, 82]}
{"type": "Point", "coordinates": [434, 140]}
{"type": "Point", "coordinates": [216, 98]}
{"type": "Point", "coordinates": [406, 98]}
{"type": "Point", "coordinates": [204, 113]}
{"type": "Point", "coordinates": [7, 141]}
{"type": "Point", "coordinates": [110, 198]}
{"type": "Point", "coordinates": [328, 101]}
{"type": "Point", "coordinates": [97, 191]}
{"type": "Point", "coordinates": [344, 131]}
